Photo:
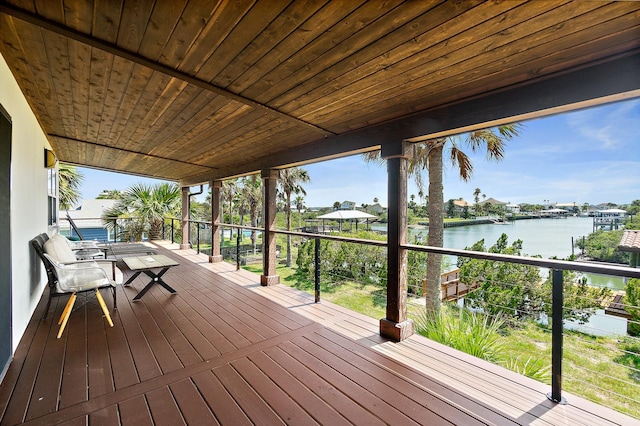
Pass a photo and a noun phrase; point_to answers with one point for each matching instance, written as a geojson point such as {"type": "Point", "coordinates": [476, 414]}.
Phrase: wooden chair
{"type": "Point", "coordinates": [68, 276]}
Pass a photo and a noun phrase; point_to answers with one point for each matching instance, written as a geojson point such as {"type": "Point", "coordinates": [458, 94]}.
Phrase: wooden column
{"type": "Point", "coordinates": [269, 180]}
{"type": "Point", "coordinates": [185, 219]}
{"type": "Point", "coordinates": [396, 326]}
{"type": "Point", "coordinates": [215, 186]}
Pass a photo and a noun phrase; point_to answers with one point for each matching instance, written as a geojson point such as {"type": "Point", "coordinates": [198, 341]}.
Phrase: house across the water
{"type": "Point", "coordinates": [87, 218]}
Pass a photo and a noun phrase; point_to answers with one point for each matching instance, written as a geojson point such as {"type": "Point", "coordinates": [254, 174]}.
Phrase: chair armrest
{"type": "Point", "coordinates": [78, 264]}
{"type": "Point", "coordinates": [79, 276]}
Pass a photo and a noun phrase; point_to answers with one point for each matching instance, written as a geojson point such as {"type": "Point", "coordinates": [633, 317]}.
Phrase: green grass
{"type": "Point", "coordinates": [366, 299]}
{"type": "Point", "coordinates": [594, 368]}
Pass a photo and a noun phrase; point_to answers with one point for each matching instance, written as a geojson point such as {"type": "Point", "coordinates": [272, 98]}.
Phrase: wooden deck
{"type": "Point", "coordinates": [225, 350]}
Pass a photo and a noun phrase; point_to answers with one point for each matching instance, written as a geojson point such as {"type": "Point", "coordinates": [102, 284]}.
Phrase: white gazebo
{"type": "Point", "coordinates": [341, 215]}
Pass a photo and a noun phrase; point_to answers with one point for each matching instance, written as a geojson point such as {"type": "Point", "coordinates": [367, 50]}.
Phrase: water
{"type": "Point", "coordinates": [544, 237]}
{"type": "Point", "coordinates": [548, 238]}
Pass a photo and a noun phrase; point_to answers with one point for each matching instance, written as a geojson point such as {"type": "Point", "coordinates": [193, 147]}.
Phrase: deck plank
{"type": "Point", "coordinates": [274, 396]}
{"type": "Point", "coordinates": [123, 366]}
{"type": "Point", "coordinates": [316, 383]}
{"type": "Point", "coordinates": [17, 384]}
{"type": "Point", "coordinates": [192, 405]}
{"type": "Point", "coordinates": [105, 417]}
{"type": "Point", "coordinates": [247, 399]}
{"type": "Point", "coordinates": [226, 410]}
{"type": "Point", "coordinates": [75, 383]}
{"type": "Point", "coordinates": [321, 412]}
{"type": "Point", "coordinates": [135, 412]}
{"type": "Point", "coordinates": [354, 389]}
{"type": "Point", "coordinates": [163, 407]}
{"type": "Point", "coordinates": [44, 396]}
{"type": "Point", "coordinates": [98, 354]}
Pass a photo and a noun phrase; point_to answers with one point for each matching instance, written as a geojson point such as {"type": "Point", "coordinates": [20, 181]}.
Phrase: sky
{"type": "Point", "coordinates": [586, 156]}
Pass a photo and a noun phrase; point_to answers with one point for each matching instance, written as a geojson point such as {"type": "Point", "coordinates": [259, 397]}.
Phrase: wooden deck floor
{"type": "Point", "coordinates": [225, 350]}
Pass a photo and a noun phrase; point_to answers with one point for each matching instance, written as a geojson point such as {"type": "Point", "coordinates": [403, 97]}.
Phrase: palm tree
{"type": "Point", "coordinates": [69, 186]}
{"type": "Point", "coordinates": [290, 183]}
{"type": "Point", "coordinates": [250, 195]}
{"type": "Point", "coordinates": [299, 206]}
{"type": "Point", "coordinates": [228, 193]}
{"type": "Point", "coordinates": [476, 195]}
{"type": "Point", "coordinates": [336, 205]}
{"type": "Point", "coordinates": [145, 207]}
{"type": "Point", "coordinates": [109, 194]}
{"type": "Point", "coordinates": [476, 199]}
{"type": "Point", "coordinates": [429, 155]}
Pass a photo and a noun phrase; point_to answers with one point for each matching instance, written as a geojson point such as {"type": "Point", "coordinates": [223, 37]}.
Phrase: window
{"type": "Point", "coordinates": [52, 196]}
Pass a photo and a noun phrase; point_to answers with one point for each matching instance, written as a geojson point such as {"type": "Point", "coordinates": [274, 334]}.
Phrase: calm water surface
{"type": "Point", "coordinates": [547, 238]}
{"type": "Point", "coordinates": [544, 237]}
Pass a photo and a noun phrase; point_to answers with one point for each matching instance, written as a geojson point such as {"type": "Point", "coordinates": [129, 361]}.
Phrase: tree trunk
{"type": "Point", "coordinates": [436, 229]}
{"type": "Point", "coordinates": [155, 230]}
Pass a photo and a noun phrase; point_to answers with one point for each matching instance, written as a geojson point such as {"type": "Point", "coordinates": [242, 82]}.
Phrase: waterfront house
{"type": "Point", "coordinates": [88, 218]}
{"type": "Point", "coordinates": [376, 209]}
{"type": "Point", "coordinates": [609, 219]}
{"type": "Point", "coordinates": [198, 92]}
{"type": "Point", "coordinates": [348, 205]}
{"type": "Point", "coordinates": [459, 206]}
{"type": "Point", "coordinates": [512, 208]}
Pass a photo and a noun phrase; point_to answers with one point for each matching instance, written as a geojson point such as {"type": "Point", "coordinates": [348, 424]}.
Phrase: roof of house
{"type": "Point", "coordinates": [461, 203]}
{"type": "Point", "coordinates": [493, 201]}
{"type": "Point", "coordinates": [346, 214]}
{"type": "Point", "coordinates": [630, 241]}
{"type": "Point", "coordinates": [89, 213]}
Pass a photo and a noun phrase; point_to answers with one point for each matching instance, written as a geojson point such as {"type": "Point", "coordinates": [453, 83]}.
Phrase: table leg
{"type": "Point", "coordinates": [155, 278]}
{"type": "Point", "coordinates": [133, 277]}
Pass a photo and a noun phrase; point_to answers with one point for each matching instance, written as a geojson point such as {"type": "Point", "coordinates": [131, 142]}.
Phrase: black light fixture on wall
{"type": "Point", "coordinates": [50, 159]}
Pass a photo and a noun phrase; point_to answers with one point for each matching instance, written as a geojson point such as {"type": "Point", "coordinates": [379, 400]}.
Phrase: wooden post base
{"type": "Point", "coordinates": [215, 259]}
{"type": "Point", "coordinates": [397, 331]}
{"type": "Point", "coordinates": [267, 280]}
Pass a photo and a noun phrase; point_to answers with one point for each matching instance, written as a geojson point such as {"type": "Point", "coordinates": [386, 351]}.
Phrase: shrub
{"type": "Point", "coordinates": [461, 329]}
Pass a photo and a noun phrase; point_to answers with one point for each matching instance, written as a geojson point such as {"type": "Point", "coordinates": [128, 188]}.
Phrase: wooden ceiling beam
{"type": "Point", "coordinates": [141, 155]}
{"type": "Point", "coordinates": [39, 21]}
{"type": "Point", "coordinates": [607, 81]}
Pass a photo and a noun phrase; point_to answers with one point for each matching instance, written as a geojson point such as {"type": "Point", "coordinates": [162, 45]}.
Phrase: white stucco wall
{"type": "Point", "coordinates": [28, 200]}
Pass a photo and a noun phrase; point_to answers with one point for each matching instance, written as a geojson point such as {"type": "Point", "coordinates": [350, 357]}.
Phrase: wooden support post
{"type": "Point", "coordinates": [396, 326]}
{"type": "Point", "coordinates": [215, 255]}
{"type": "Point", "coordinates": [270, 180]}
{"type": "Point", "coordinates": [185, 219]}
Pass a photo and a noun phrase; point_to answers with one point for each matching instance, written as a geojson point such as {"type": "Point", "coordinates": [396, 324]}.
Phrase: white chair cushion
{"type": "Point", "coordinates": [58, 248]}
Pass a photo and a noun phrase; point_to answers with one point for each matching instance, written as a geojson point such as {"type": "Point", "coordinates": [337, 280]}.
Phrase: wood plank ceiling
{"type": "Point", "coordinates": [192, 90]}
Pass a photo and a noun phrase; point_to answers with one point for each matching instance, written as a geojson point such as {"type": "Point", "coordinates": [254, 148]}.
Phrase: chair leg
{"type": "Point", "coordinates": [65, 314]}
{"type": "Point", "coordinates": [46, 311]}
{"type": "Point", "coordinates": [104, 307]}
{"type": "Point", "coordinates": [114, 298]}
{"type": "Point", "coordinates": [67, 308]}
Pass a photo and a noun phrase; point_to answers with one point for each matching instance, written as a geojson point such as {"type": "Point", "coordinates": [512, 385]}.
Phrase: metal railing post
{"type": "Point", "coordinates": [198, 236]}
{"type": "Point", "coordinates": [317, 267]}
{"type": "Point", "coordinates": [172, 232]}
{"type": "Point", "coordinates": [556, 337]}
{"type": "Point", "coordinates": [238, 250]}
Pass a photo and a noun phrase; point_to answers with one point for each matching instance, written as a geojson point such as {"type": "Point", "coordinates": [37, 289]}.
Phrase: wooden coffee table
{"type": "Point", "coordinates": [148, 264]}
